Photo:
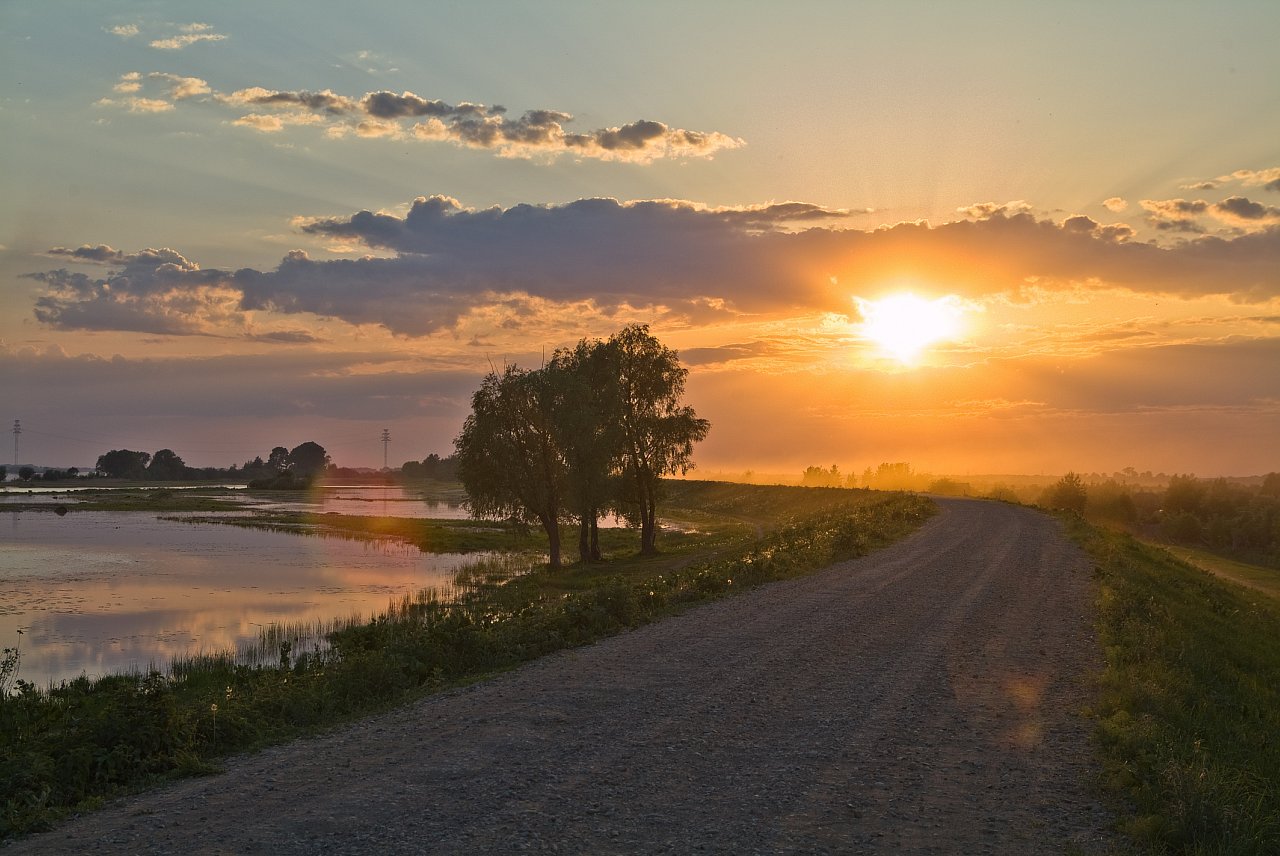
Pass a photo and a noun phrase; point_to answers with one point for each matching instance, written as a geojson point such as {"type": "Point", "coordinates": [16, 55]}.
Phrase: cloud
{"type": "Point", "coordinates": [1267, 179]}
{"type": "Point", "coordinates": [136, 104]}
{"type": "Point", "coordinates": [270, 124]}
{"type": "Point", "coordinates": [129, 82]}
{"type": "Point", "coordinates": [1115, 204]}
{"type": "Point", "coordinates": [1175, 215]}
{"type": "Point", "coordinates": [180, 87]}
{"type": "Point", "coordinates": [985, 210]}
{"type": "Point", "coordinates": [722, 354]}
{"type": "Point", "coordinates": [175, 43]}
{"type": "Point", "coordinates": [286, 337]}
{"type": "Point", "coordinates": [175, 88]}
{"type": "Point", "coordinates": [235, 390]}
{"type": "Point", "coordinates": [325, 101]}
{"type": "Point", "coordinates": [442, 263]}
{"type": "Point", "coordinates": [145, 258]}
{"type": "Point", "coordinates": [408, 116]}
{"type": "Point", "coordinates": [1245, 213]}
{"type": "Point", "coordinates": [152, 291]}
{"type": "Point", "coordinates": [124, 31]}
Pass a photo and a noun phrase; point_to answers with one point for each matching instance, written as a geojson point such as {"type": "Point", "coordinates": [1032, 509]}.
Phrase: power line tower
{"type": "Point", "coordinates": [386, 443]}
{"type": "Point", "coordinates": [17, 429]}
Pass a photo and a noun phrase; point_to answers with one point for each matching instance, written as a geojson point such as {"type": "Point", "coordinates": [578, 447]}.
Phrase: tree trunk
{"type": "Point", "coordinates": [584, 540]}
{"type": "Point", "coordinates": [552, 528]}
{"type": "Point", "coordinates": [648, 527]}
{"type": "Point", "coordinates": [596, 555]}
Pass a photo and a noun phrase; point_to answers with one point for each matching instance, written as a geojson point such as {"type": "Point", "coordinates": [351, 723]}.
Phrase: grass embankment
{"type": "Point", "coordinates": [1189, 713]}
{"type": "Point", "coordinates": [72, 746]}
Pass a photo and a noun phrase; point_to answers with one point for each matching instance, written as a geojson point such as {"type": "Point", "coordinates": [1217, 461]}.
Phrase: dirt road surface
{"type": "Point", "coordinates": [923, 699]}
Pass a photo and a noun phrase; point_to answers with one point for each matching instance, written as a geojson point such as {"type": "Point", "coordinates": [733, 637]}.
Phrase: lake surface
{"type": "Point", "coordinates": [102, 592]}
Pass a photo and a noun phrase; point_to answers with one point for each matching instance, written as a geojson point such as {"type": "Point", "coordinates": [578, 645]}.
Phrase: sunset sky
{"type": "Point", "coordinates": [975, 236]}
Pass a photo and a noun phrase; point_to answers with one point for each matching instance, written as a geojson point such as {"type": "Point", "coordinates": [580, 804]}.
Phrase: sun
{"type": "Point", "coordinates": [903, 325]}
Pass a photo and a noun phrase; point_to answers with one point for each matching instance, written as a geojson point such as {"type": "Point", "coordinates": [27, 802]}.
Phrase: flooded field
{"type": "Point", "coordinates": [100, 592]}
{"type": "Point", "coordinates": [383, 500]}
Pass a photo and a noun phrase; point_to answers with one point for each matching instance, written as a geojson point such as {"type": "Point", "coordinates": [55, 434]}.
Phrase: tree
{"type": "Point", "coordinates": [307, 460]}
{"type": "Point", "coordinates": [584, 384]}
{"type": "Point", "coordinates": [1067, 494]}
{"type": "Point", "coordinates": [4, 473]}
{"type": "Point", "coordinates": [1184, 493]}
{"type": "Point", "coordinates": [658, 434]}
{"type": "Point", "coordinates": [278, 460]}
{"type": "Point", "coordinates": [123, 464]}
{"type": "Point", "coordinates": [507, 456]}
{"type": "Point", "coordinates": [166, 466]}
{"type": "Point", "coordinates": [26, 472]}
{"type": "Point", "coordinates": [818, 477]}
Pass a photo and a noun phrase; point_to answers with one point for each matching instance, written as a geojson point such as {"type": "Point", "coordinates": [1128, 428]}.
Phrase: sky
{"type": "Point", "coordinates": [979, 237]}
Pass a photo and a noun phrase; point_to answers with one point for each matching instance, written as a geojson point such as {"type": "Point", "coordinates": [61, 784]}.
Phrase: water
{"type": "Point", "coordinates": [372, 500]}
{"type": "Point", "coordinates": [102, 592]}
{"type": "Point", "coordinates": [379, 500]}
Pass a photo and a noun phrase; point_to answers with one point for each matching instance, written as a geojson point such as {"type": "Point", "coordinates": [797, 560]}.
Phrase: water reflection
{"type": "Point", "coordinates": [100, 592]}
{"type": "Point", "coordinates": [375, 500]}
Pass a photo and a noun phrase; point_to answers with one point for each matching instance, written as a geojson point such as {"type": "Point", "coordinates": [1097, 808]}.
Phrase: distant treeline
{"type": "Point", "coordinates": [1228, 517]}
{"type": "Point", "coordinates": [281, 465]}
{"type": "Point", "coordinates": [887, 476]}
{"type": "Point", "coordinates": [431, 467]}
{"type": "Point", "coordinates": [303, 461]}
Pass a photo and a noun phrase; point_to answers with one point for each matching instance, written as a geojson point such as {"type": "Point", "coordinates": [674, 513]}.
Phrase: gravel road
{"type": "Point", "coordinates": [923, 699]}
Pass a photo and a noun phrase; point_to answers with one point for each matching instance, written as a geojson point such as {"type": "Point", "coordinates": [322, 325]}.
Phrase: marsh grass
{"type": "Point", "coordinates": [1189, 714]}
{"type": "Point", "coordinates": [160, 500]}
{"type": "Point", "coordinates": [430, 535]}
{"type": "Point", "coordinates": [85, 740]}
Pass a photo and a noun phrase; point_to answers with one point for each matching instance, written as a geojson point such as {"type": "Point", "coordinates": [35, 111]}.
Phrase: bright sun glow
{"type": "Point", "coordinates": [903, 324]}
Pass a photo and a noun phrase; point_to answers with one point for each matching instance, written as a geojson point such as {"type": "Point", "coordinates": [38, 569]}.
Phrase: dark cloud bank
{"type": "Point", "coordinates": [668, 256]}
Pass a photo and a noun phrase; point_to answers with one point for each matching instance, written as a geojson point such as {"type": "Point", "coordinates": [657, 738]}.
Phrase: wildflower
{"type": "Point", "coordinates": [214, 707]}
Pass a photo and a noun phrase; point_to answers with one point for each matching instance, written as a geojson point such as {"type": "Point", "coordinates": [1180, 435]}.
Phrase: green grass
{"type": "Point", "coordinates": [1265, 580]}
{"type": "Point", "coordinates": [1189, 709]}
{"type": "Point", "coordinates": [74, 745]}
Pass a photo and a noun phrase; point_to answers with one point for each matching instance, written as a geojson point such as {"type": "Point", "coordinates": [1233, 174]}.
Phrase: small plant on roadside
{"type": "Point", "coordinates": [10, 662]}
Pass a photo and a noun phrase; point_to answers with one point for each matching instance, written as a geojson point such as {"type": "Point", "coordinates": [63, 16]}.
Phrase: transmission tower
{"type": "Point", "coordinates": [17, 429]}
{"type": "Point", "coordinates": [386, 443]}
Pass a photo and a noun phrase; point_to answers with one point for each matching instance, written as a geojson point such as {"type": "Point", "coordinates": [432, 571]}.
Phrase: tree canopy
{"type": "Point", "coordinates": [508, 458]}
{"type": "Point", "coordinates": [166, 466]}
{"type": "Point", "coordinates": [307, 459]}
{"type": "Point", "coordinates": [123, 464]}
{"type": "Point", "coordinates": [595, 429]}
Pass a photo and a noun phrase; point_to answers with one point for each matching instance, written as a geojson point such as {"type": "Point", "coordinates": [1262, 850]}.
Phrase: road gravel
{"type": "Point", "coordinates": [926, 698]}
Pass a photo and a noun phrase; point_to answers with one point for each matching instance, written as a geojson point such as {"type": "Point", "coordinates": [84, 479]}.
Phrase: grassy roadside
{"type": "Point", "coordinates": [73, 746]}
{"type": "Point", "coordinates": [1254, 576]}
{"type": "Point", "coordinates": [1189, 709]}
